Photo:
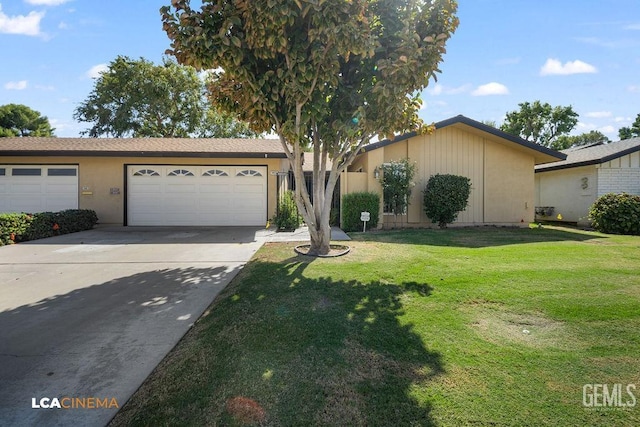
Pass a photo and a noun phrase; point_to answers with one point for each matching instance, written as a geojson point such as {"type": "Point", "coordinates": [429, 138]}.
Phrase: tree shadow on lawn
{"type": "Point", "coordinates": [297, 351]}
{"type": "Point", "coordinates": [477, 237]}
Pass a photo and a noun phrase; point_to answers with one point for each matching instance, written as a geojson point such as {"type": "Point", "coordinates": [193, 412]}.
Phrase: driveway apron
{"type": "Point", "coordinates": [86, 317]}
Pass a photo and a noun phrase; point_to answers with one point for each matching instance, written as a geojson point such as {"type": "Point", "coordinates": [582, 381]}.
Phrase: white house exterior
{"type": "Point", "coordinates": [569, 187]}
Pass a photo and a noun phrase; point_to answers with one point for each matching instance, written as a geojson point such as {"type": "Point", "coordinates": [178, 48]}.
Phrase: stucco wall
{"type": "Point", "coordinates": [569, 191]}
{"type": "Point", "coordinates": [97, 175]}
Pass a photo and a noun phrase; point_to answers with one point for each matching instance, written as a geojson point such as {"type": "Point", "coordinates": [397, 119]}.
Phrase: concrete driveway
{"type": "Point", "coordinates": [85, 317]}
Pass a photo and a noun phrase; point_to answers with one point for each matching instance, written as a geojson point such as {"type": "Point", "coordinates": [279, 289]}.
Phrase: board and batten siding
{"type": "Point", "coordinates": [448, 151]}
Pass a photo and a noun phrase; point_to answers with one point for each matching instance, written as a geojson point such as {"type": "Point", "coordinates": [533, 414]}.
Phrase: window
{"type": "Point", "coordinates": [146, 172]}
{"type": "Point", "coordinates": [388, 208]}
{"type": "Point", "coordinates": [215, 172]}
{"type": "Point", "coordinates": [180, 172]}
{"type": "Point", "coordinates": [26, 172]}
{"type": "Point", "coordinates": [2, 171]}
{"type": "Point", "coordinates": [249, 172]}
{"type": "Point", "coordinates": [61, 172]}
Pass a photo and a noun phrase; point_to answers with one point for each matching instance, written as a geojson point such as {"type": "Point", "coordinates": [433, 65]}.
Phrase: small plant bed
{"type": "Point", "coordinates": [334, 250]}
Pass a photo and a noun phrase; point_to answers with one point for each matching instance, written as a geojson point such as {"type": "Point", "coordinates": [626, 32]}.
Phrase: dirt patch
{"type": "Point", "coordinates": [499, 326]}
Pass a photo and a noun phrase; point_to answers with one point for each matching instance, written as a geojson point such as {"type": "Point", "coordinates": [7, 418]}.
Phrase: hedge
{"type": "Point", "coordinates": [20, 227]}
{"type": "Point", "coordinates": [616, 214]}
{"type": "Point", "coordinates": [355, 203]}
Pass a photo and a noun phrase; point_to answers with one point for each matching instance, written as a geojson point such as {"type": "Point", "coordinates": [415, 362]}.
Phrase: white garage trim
{"type": "Point", "coordinates": [38, 188]}
{"type": "Point", "coordinates": [207, 195]}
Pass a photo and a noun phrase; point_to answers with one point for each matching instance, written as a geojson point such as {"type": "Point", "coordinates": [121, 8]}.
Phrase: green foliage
{"type": "Point", "coordinates": [20, 120]}
{"type": "Point", "coordinates": [632, 131]}
{"type": "Point", "coordinates": [137, 98]}
{"type": "Point", "coordinates": [17, 227]}
{"type": "Point", "coordinates": [616, 214]}
{"type": "Point", "coordinates": [397, 182]}
{"type": "Point", "coordinates": [445, 196]}
{"type": "Point", "coordinates": [540, 123]}
{"type": "Point", "coordinates": [355, 203]}
{"type": "Point", "coordinates": [287, 217]}
{"type": "Point", "coordinates": [567, 141]}
{"type": "Point", "coordinates": [327, 75]}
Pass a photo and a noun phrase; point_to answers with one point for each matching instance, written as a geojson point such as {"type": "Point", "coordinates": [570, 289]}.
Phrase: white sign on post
{"type": "Point", "coordinates": [364, 217]}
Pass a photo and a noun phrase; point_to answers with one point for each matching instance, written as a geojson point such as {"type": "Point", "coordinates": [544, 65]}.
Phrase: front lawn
{"type": "Point", "coordinates": [483, 326]}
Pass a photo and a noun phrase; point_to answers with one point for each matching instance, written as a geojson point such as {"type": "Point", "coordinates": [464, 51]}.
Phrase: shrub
{"type": "Point", "coordinates": [355, 203]}
{"type": "Point", "coordinates": [397, 182]}
{"type": "Point", "coordinates": [287, 217]}
{"type": "Point", "coordinates": [616, 214]}
{"type": "Point", "coordinates": [16, 227]}
{"type": "Point", "coordinates": [445, 196]}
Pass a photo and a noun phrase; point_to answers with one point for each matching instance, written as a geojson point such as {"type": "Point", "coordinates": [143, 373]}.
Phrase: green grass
{"type": "Point", "coordinates": [483, 326]}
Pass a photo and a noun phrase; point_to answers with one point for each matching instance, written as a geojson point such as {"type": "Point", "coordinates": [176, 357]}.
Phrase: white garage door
{"type": "Point", "coordinates": [196, 195]}
{"type": "Point", "coordinates": [38, 188]}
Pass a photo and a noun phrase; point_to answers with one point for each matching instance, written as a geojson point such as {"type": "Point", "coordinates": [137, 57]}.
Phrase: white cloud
{"type": "Point", "coordinates": [608, 129]}
{"type": "Point", "coordinates": [95, 71]}
{"type": "Point", "coordinates": [555, 67]}
{"type": "Point", "coordinates": [634, 89]}
{"type": "Point", "coordinates": [47, 2]}
{"type": "Point", "coordinates": [439, 89]}
{"type": "Point", "coordinates": [492, 88]}
{"type": "Point", "coordinates": [28, 25]}
{"type": "Point", "coordinates": [599, 114]}
{"type": "Point", "coordinates": [632, 27]}
{"type": "Point", "coordinates": [63, 25]}
{"type": "Point", "coordinates": [21, 85]}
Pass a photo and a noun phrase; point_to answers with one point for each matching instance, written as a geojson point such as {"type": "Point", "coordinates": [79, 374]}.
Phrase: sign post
{"type": "Point", "coordinates": [364, 217]}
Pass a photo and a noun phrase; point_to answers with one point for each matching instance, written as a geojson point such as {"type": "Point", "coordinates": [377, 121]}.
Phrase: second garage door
{"type": "Point", "coordinates": [196, 195]}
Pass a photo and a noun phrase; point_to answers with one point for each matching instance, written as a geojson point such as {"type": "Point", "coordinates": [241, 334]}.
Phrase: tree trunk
{"type": "Point", "coordinates": [320, 240]}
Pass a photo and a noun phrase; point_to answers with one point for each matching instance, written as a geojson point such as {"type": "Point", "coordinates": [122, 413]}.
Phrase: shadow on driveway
{"type": "Point", "coordinates": [99, 341]}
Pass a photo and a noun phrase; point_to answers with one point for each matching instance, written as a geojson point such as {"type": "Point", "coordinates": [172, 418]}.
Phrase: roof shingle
{"type": "Point", "coordinates": [592, 155]}
{"type": "Point", "coordinates": [198, 147]}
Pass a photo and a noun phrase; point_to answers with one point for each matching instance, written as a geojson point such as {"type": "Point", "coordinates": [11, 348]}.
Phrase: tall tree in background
{"type": "Point", "coordinates": [323, 74]}
{"type": "Point", "coordinates": [566, 141]}
{"type": "Point", "coordinates": [540, 123]}
{"type": "Point", "coordinates": [20, 120]}
{"type": "Point", "coordinates": [632, 131]}
{"type": "Point", "coordinates": [137, 98]}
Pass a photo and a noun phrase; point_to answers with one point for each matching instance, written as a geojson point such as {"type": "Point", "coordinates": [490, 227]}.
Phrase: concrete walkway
{"type": "Point", "coordinates": [299, 235]}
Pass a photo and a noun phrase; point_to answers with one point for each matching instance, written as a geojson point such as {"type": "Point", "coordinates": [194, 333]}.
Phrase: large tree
{"type": "Point", "coordinates": [140, 99]}
{"type": "Point", "coordinates": [540, 123]}
{"type": "Point", "coordinates": [20, 120]}
{"type": "Point", "coordinates": [631, 131]}
{"type": "Point", "coordinates": [567, 141]}
{"type": "Point", "coordinates": [325, 75]}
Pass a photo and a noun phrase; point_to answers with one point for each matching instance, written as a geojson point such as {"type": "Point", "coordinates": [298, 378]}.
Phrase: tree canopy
{"type": "Point", "coordinates": [540, 123]}
{"type": "Point", "coordinates": [326, 74]}
{"type": "Point", "coordinates": [632, 131]}
{"type": "Point", "coordinates": [20, 120]}
{"type": "Point", "coordinates": [137, 98]}
{"type": "Point", "coordinates": [566, 141]}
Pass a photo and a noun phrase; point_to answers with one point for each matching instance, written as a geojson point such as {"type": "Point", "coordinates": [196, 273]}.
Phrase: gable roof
{"type": "Point", "coordinates": [593, 154]}
{"type": "Point", "coordinates": [548, 154]}
{"type": "Point", "coordinates": [142, 147]}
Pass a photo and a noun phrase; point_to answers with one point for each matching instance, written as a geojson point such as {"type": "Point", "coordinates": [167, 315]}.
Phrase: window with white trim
{"type": "Point", "coordinates": [180, 172]}
{"type": "Point", "coordinates": [248, 172]}
{"type": "Point", "coordinates": [215, 172]}
{"type": "Point", "coordinates": [146, 172]}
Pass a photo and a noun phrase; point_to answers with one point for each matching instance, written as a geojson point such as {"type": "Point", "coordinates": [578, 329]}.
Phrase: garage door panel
{"type": "Point", "coordinates": [38, 188]}
{"type": "Point", "coordinates": [203, 195]}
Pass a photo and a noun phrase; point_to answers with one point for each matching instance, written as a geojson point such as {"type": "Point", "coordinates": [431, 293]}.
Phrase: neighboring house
{"type": "Point", "coordinates": [151, 181]}
{"type": "Point", "coordinates": [569, 187]}
{"type": "Point", "coordinates": [500, 166]}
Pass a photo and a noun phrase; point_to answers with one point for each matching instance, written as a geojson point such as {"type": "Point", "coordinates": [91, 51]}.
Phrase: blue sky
{"type": "Point", "coordinates": [584, 53]}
